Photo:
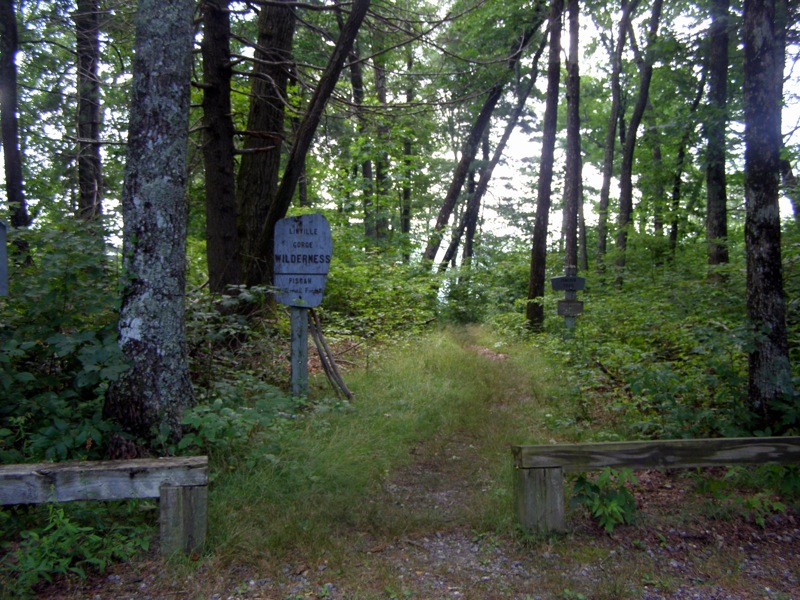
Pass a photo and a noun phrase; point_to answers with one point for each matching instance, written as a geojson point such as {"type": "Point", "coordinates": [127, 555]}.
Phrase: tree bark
{"type": "Point", "coordinates": [716, 186]}
{"type": "Point", "coordinates": [222, 240]}
{"type": "Point", "coordinates": [9, 124]}
{"type": "Point", "coordinates": [770, 381]}
{"type": "Point", "coordinates": [572, 183]}
{"type": "Point", "coordinates": [382, 209]}
{"type": "Point", "coordinates": [367, 176]}
{"type": "Point", "coordinates": [259, 170]}
{"type": "Point", "coordinates": [535, 308]}
{"type": "Point", "coordinates": [149, 399]}
{"type": "Point", "coordinates": [90, 178]}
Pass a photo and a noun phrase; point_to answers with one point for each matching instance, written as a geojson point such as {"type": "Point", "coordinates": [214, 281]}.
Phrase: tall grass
{"type": "Point", "coordinates": [320, 475]}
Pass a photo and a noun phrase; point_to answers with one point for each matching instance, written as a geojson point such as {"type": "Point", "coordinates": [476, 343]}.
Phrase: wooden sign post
{"type": "Point", "coordinates": [570, 307]}
{"type": "Point", "coordinates": [303, 250]}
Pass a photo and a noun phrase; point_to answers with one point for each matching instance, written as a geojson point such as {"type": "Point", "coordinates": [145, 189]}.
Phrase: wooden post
{"type": "Point", "coordinates": [299, 324]}
{"type": "Point", "coordinates": [183, 518]}
{"type": "Point", "coordinates": [539, 498]}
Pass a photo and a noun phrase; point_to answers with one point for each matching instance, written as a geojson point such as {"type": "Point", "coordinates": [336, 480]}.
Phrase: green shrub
{"type": "Point", "coordinates": [58, 347]}
{"type": "Point", "coordinates": [63, 547]}
{"type": "Point", "coordinates": [606, 497]}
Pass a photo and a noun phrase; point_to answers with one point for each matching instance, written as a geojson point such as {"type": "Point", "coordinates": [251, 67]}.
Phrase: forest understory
{"type": "Point", "coordinates": [426, 535]}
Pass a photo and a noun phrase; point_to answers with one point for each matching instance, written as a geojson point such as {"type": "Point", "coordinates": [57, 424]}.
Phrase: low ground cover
{"type": "Point", "coordinates": [405, 492]}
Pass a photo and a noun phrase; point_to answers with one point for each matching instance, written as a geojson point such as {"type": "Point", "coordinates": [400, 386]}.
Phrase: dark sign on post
{"type": "Point", "coordinates": [568, 283]}
{"type": "Point", "coordinates": [303, 249]}
{"type": "Point", "coordinates": [3, 261]}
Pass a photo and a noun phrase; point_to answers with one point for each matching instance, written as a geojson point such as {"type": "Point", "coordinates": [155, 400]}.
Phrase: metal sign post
{"type": "Point", "coordinates": [3, 261]}
{"type": "Point", "coordinates": [570, 307]}
{"type": "Point", "coordinates": [303, 250]}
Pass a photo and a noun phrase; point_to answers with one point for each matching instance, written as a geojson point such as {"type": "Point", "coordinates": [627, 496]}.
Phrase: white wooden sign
{"type": "Point", "coordinates": [303, 250]}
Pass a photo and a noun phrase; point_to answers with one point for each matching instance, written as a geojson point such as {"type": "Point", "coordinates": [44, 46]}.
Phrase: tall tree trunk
{"type": "Point", "coordinates": [626, 166]}
{"type": "Point", "coordinates": [716, 186]}
{"type": "Point", "coordinates": [473, 211]}
{"type": "Point", "coordinates": [151, 396]}
{"type": "Point", "coordinates": [259, 171]}
{"type": "Point", "coordinates": [90, 180]}
{"type": "Point", "coordinates": [367, 183]}
{"type": "Point", "coordinates": [470, 147]}
{"type": "Point", "coordinates": [535, 308]}
{"type": "Point", "coordinates": [222, 240]}
{"type": "Point", "coordinates": [572, 183]}
{"type": "Point", "coordinates": [405, 204]}
{"type": "Point", "coordinates": [770, 380]}
{"type": "Point", "coordinates": [9, 125]}
{"type": "Point", "coordinates": [382, 159]}
{"type": "Point", "coordinates": [307, 130]}
{"type": "Point", "coordinates": [611, 132]}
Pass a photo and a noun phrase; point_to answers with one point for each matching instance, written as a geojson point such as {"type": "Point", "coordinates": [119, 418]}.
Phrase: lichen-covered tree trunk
{"type": "Point", "coordinates": [770, 381]}
{"type": "Point", "coordinates": [222, 240]}
{"type": "Point", "coordinates": [9, 125]}
{"type": "Point", "coordinates": [90, 179]}
{"type": "Point", "coordinates": [151, 396]}
{"type": "Point", "coordinates": [534, 311]}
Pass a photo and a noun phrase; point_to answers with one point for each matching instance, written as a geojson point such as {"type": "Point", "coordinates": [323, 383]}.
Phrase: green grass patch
{"type": "Point", "coordinates": [321, 474]}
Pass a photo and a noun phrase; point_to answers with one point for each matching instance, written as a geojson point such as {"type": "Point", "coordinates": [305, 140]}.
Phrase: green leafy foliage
{"type": "Point", "coordinates": [58, 347]}
{"type": "Point", "coordinates": [606, 497]}
{"type": "Point", "coordinates": [241, 415]}
{"type": "Point", "coordinates": [63, 546]}
{"type": "Point", "coordinates": [372, 296]}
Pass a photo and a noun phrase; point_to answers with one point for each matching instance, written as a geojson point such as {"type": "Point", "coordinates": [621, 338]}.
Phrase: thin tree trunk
{"type": "Point", "coordinates": [677, 176]}
{"type": "Point", "coordinates": [9, 125]}
{"type": "Point", "coordinates": [626, 167]}
{"type": "Point", "coordinates": [473, 205]}
{"type": "Point", "coordinates": [90, 180]}
{"type": "Point", "coordinates": [367, 175]}
{"type": "Point", "coordinates": [405, 207]}
{"type": "Point", "coordinates": [572, 183]}
{"type": "Point", "coordinates": [611, 133]}
{"type": "Point", "coordinates": [536, 282]}
{"type": "Point", "coordinates": [382, 159]}
{"type": "Point", "coordinates": [470, 148]}
{"type": "Point", "coordinates": [222, 240]}
{"type": "Point", "coordinates": [716, 186]}
{"type": "Point", "coordinates": [770, 381]}
{"type": "Point", "coordinates": [149, 399]}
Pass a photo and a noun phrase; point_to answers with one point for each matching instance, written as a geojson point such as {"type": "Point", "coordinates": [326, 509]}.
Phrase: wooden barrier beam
{"type": "Point", "coordinates": [660, 453]}
{"type": "Point", "coordinates": [179, 483]}
{"type": "Point", "coordinates": [539, 484]}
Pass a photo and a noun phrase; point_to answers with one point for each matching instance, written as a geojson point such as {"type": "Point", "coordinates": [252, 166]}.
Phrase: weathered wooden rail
{"type": "Point", "coordinates": [539, 470]}
{"type": "Point", "coordinates": [181, 484]}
